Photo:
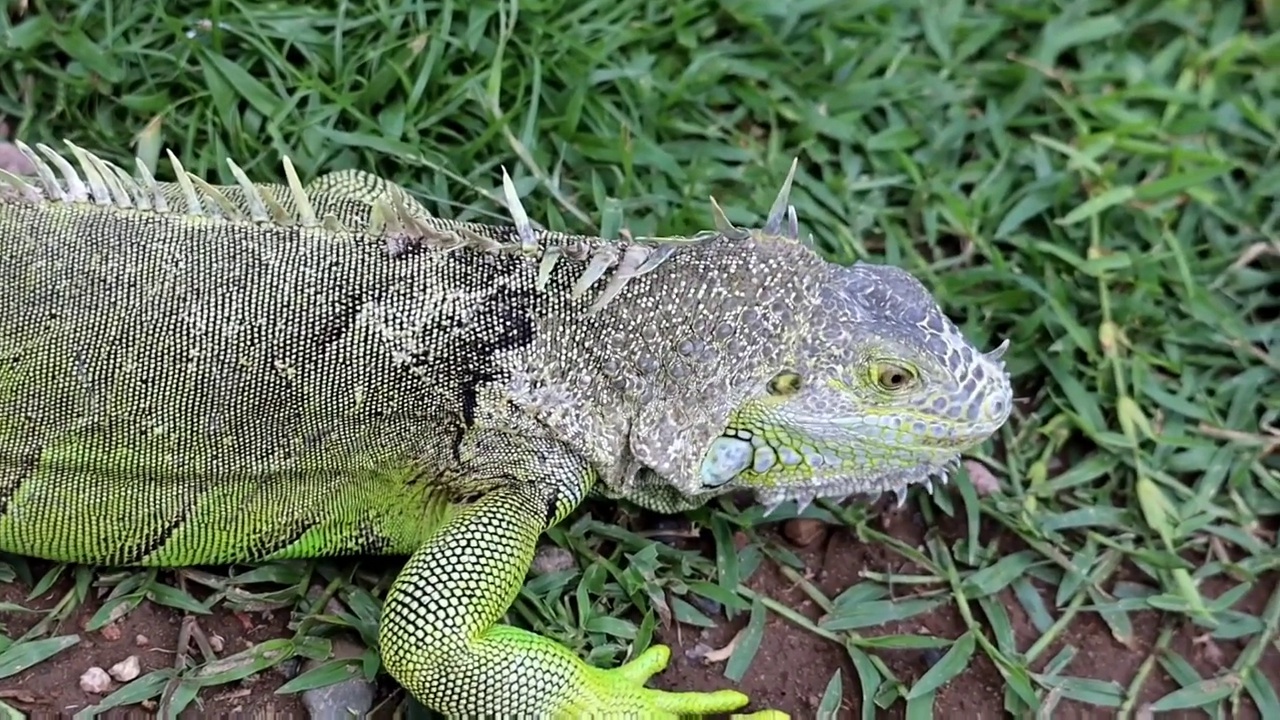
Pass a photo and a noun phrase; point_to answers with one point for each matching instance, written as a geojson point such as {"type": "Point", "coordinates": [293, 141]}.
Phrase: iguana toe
{"type": "Point", "coordinates": [624, 686]}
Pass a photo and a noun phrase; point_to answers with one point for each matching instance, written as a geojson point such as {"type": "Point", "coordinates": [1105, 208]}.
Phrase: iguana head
{"type": "Point", "coordinates": [882, 391]}
{"type": "Point", "coordinates": [791, 377]}
{"type": "Point", "coordinates": [885, 392]}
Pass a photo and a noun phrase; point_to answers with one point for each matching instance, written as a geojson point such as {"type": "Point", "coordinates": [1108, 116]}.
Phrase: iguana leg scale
{"type": "Point", "coordinates": [440, 637]}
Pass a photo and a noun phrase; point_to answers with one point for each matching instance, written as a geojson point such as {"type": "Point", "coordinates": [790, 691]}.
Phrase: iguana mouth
{"type": "Point", "coordinates": [783, 461]}
{"type": "Point", "coordinates": [842, 487]}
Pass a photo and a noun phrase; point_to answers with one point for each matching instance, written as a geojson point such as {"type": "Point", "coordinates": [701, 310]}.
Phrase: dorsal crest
{"type": "Point", "coordinates": [95, 180]}
{"type": "Point", "coordinates": [394, 218]}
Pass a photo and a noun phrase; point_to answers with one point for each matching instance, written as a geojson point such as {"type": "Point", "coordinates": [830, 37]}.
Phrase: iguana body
{"type": "Point", "coordinates": [201, 375]}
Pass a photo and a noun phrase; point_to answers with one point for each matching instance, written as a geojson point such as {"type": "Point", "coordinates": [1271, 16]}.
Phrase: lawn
{"type": "Point", "coordinates": [1095, 181]}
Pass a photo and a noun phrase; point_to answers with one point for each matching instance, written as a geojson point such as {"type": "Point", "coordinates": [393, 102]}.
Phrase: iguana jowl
{"type": "Point", "coordinates": [198, 374]}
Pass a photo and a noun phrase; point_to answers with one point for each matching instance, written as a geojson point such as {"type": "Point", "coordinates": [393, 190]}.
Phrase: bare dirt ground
{"type": "Point", "coordinates": [790, 670]}
{"type": "Point", "coordinates": [792, 667]}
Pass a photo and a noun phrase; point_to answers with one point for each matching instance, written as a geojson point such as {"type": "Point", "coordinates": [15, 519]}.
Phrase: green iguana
{"type": "Point", "coordinates": [192, 374]}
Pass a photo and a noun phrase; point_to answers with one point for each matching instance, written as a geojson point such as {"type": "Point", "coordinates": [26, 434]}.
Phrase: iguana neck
{"type": "Point", "coordinates": [594, 380]}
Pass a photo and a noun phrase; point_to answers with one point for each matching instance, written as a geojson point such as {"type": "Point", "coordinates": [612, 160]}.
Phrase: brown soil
{"type": "Point", "coordinates": [151, 633]}
{"type": "Point", "coordinates": [790, 670]}
{"type": "Point", "coordinates": [792, 667]}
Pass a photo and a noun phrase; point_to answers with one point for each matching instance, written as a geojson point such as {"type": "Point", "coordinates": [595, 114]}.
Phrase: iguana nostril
{"type": "Point", "coordinates": [996, 407]}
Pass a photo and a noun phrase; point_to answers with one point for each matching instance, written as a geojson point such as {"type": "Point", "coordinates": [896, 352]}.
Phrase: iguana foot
{"type": "Point", "coordinates": [624, 686]}
{"type": "Point", "coordinates": [441, 635]}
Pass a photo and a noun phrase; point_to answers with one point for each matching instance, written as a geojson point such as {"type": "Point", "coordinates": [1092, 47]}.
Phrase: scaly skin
{"type": "Point", "coordinates": [266, 372]}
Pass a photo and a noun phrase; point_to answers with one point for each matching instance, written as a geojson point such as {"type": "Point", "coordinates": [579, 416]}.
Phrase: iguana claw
{"type": "Point", "coordinates": [901, 493]}
{"type": "Point", "coordinates": [624, 687]}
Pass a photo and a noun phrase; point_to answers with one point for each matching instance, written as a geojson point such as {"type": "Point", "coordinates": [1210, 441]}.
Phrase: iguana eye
{"type": "Point", "coordinates": [893, 377]}
{"type": "Point", "coordinates": [785, 383]}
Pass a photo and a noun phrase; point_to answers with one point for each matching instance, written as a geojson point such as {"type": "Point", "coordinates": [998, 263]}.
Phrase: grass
{"type": "Point", "coordinates": [1094, 180]}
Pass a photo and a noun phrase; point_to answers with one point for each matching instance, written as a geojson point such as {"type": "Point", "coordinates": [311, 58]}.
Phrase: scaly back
{"type": "Point", "coordinates": [257, 329]}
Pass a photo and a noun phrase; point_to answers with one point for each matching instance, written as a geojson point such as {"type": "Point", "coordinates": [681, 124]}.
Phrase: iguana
{"type": "Point", "coordinates": [199, 374]}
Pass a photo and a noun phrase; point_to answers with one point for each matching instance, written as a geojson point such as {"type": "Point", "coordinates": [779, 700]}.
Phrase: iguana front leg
{"type": "Point", "coordinates": [440, 636]}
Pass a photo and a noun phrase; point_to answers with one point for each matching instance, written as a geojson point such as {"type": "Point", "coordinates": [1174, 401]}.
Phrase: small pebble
{"type": "Point", "coordinates": [932, 656]}
{"type": "Point", "coordinates": [550, 559]}
{"type": "Point", "coordinates": [803, 532]}
{"type": "Point", "coordinates": [111, 631]}
{"type": "Point", "coordinates": [291, 668]}
{"type": "Point", "coordinates": [127, 669]}
{"type": "Point", "coordinates": [95, 680]}
{"type": "Point", "coordinates": [698, 651]}
{"type": "Point", "coordinates": [984, 481]}
{"type": "Point", "coordinates": [708, 606]}
{"type": "Point", "coordinates": [342, 700]}
{"type": "Point", "coordinates": [671, 529]}
{"type": "Point", "coordinates": [141, 641]}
